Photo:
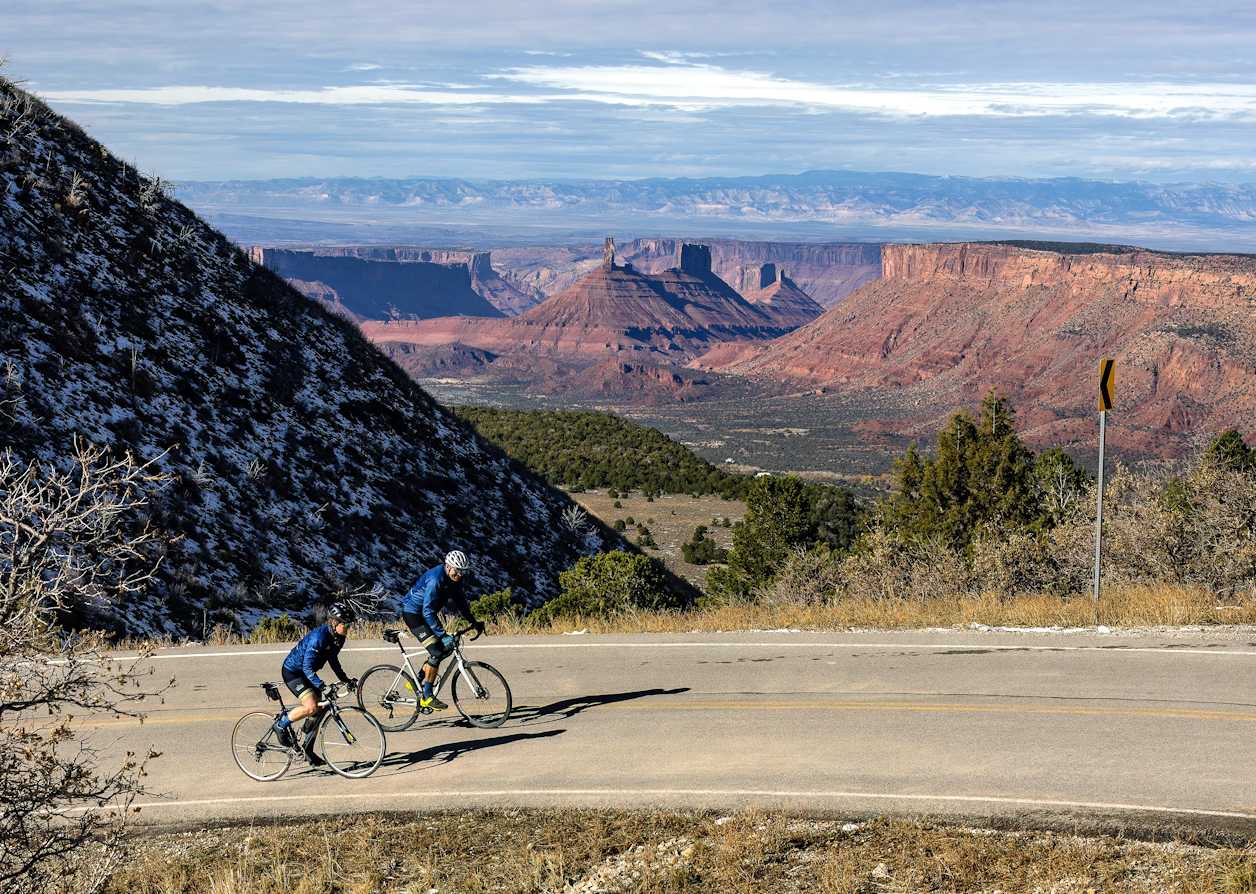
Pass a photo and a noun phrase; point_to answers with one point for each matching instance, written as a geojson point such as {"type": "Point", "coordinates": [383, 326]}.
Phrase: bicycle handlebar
{"type": "Point", "coordinates": [331, 693]}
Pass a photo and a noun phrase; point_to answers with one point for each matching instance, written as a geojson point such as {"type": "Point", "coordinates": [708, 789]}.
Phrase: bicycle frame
{"type": "Point", "coordinates": [327, 704]}
{"type": "Point", "coordinates": [459, 664]}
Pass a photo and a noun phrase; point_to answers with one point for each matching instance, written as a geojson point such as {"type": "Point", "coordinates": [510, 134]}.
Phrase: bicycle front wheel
{"type": "Point", "coordinates": [388, 694]}
{"type": "Point", "coordinates": [352, 742]}
{"type": "Point", "coordinates": [256, 750]}
{"type": "Point", "coordinates": [481, 695]}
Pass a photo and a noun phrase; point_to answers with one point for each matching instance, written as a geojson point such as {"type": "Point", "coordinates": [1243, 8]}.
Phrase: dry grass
{"type": "Point", "coordinates": [671, 519]}
{"type": "Point", "coordinates": [1125, 606]}
{"type": "Point", "coordinates": [521, 852]}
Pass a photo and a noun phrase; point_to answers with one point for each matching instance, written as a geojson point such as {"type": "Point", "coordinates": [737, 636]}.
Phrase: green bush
{"type": "Point", "coordinates": [1229, 452]}
{"type": "Point", "coordinates": [497, 606]}
{"type": "Point", "coordinates": [281, 629]}
{"type": "Point", "coordinates": [983, 474]}
{"type": "Point", "coordinates": [702, 550]}
{"type": "Point", "coordinates": [607, 584]}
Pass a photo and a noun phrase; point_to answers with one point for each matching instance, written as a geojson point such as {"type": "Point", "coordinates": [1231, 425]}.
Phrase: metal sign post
{"type": "Point", "coordinates": [1106, 381]}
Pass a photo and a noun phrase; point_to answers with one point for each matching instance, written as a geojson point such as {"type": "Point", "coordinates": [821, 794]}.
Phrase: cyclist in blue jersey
{"type": "Point", "coordinates": [300, 674]}
{"type": "Point", "coordinates": [438, 590]}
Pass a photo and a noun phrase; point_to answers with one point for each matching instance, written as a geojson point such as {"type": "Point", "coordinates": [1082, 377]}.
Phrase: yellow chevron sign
{"type": "Point", "coordinates": [1107, 384]}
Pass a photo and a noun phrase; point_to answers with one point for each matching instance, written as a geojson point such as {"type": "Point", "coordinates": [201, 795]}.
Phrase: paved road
{"type": "Point", "coordinates": [1045, 728]}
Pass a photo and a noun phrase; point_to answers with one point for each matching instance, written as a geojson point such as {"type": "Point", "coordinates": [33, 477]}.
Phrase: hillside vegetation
{"type": "Point", "coordinates": [982, 530]}
{"type": "Point", "coordinates": [587, 449]}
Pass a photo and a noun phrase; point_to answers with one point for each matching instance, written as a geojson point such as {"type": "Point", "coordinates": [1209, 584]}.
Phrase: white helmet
{"type": "Point", "coordinates": [458, 561]}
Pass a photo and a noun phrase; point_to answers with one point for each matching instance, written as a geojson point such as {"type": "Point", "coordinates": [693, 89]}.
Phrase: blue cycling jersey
{"type": "Point", "coordinates": [318, 647]}
{"type": "Point", "coordinates": [434, 593]}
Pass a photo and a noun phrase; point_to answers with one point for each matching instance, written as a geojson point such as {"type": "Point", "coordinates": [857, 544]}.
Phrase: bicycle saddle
{"type": "Point", "coordinates": [392, 636]}
{"type": "Point", "coordinates": [272, 691]}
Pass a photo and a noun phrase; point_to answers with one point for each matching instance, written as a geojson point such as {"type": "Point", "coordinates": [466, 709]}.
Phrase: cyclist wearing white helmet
{"type": "Point", "coordinates": [438, 590]}
{"type": "Point", "coordinates": [320, 646]}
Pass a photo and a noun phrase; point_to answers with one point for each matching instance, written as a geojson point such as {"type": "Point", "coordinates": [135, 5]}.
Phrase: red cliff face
{"type": "Point", "coordinates": [947, 322]}
{"type": "Point", "coordinates": [784, 302]}
{"type": "Point", "coordinates": [826, 271]}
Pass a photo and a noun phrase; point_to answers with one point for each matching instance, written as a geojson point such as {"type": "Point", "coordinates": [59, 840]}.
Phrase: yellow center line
{"type": "Point", "coordinates": [1189, 713]}
{"type": "Point", "coordinates": [232, 714]}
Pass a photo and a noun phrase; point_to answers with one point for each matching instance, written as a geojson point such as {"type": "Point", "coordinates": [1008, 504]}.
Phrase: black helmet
{"type": "Point", "coordinates": [343, 612]}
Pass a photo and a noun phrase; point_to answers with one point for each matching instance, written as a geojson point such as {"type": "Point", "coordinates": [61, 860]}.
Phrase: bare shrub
{"type": "Point", "coordinates": [67, 540]}
{"type": "Point", "coordinates": [879, 568]}
{"type": "Point", "coordinates": [808, 577]}
{"type": "Point", "coordinates": [883, 567]}
{"type": "Point", "coordinates": [1009, 562]}
{"type": "Point", "coordinates": [1192, 529]}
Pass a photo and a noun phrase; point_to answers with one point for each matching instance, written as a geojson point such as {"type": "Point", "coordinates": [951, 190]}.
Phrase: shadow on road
{"type": "Point", "coordinates": [398, 763]}
{"type": "Point", "coordinates": [531, 715]}
{"type": "Point", "coordinates": [570, 707]}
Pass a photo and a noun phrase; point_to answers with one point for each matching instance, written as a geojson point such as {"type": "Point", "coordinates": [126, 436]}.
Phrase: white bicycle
{"type": "Point", "coordinates": [391, 695]}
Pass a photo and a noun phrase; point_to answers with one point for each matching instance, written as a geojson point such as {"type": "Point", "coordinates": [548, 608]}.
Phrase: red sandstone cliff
{"type": "Point", "coordinates": [826, 271]}
{"type": "Point", "coordinates": [947, 322]}
{"type": "Point", "coordinates": [779, 297]}
{"type": "Point", "coordinates": [365, 284]}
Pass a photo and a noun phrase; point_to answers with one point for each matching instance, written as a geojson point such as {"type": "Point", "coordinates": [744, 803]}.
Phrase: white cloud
{"type": "Point", "coordinates": [690, 86]}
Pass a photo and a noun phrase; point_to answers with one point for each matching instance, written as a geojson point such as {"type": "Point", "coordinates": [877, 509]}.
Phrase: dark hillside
{"type": "Point", "coordinates": [586, 449]}
{"type": "Point", "coordinates": [304, 460]}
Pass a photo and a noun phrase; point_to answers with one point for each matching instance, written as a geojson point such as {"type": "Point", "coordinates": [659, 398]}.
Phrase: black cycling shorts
{"type": "Point", "coordinates": [298, 683]}
{"type": "Point", "coordinates": [426, 636]}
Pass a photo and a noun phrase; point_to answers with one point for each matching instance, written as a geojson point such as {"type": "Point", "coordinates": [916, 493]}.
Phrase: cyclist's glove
{"type": "Point", "coordinates": [448, 642]}
{"type": "Point", "coordinates": [351, 684]}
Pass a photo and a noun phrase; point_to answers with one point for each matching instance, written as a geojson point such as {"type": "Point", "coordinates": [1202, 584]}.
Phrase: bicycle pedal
{"type": "Point", "coordinates": [424, 709]}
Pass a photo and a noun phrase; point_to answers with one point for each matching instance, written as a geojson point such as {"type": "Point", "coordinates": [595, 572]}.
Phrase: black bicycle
{"type": "Point", "coordinates": [480, 692]}
{"type": "Point", "coordinates": [349, 739]}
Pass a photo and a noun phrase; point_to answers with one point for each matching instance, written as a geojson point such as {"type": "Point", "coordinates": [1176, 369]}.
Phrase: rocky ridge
{"type": "Point", "coordinates": [379, 288]}
{"type": "Point", "coordinates": [485, 279]}
{"type": "Point", "coordinates": [826, 271]}
{"type": "Point", "coordinates": [613, 312]}
{"type": "Point", "coordinates": [779, 297]}
{"type": "Point", "coordinates": [894, 206]}
{"type": "Point", "coordinates": [303, 461]}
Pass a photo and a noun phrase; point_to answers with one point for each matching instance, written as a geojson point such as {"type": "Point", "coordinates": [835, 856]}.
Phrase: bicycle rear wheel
{"type": "Point", "coordinates": [481, 695]}
{"type": "Point", "coordinates": [388, 694]}
{"type": "Point", "coordinates": [352, 742]}
{"type": "Point", "coordinates": [256, 750]}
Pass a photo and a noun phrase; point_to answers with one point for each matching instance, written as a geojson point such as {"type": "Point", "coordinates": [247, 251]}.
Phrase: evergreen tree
{"type": "Point", "coordinates": [1229, 451]}
{"type": "Point", "coordinates": [983, 472]}
{"type": "Point", "coordinates": [778, 514]}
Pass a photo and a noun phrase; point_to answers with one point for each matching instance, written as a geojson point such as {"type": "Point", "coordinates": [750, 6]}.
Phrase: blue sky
{"type": "Point", "coordinates": [561, 89]}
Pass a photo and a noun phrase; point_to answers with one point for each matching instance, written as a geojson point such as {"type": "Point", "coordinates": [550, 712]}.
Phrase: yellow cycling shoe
{"type": "Point", "coordinates": [433, 702]}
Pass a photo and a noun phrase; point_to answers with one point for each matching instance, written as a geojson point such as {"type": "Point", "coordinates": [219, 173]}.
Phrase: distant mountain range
{"type": "Point", "coordinates": [815, 205]}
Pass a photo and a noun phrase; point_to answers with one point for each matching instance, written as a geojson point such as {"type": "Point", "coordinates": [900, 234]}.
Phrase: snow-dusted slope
{"type": "Point", "coordinates": [305, 460]}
